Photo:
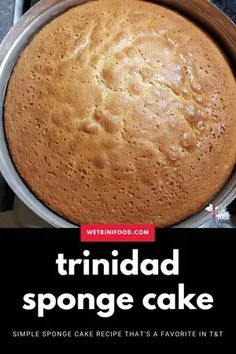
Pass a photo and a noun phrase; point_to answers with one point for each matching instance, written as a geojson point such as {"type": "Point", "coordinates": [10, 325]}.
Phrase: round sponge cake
{"type": "Point", "coordinates": [122, 112]}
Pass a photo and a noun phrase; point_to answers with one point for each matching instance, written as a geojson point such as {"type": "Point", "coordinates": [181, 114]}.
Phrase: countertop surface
{"type": "Point", "coordinates": [6, 16]}
{"type": "Point", "coordinates": [6, 19]}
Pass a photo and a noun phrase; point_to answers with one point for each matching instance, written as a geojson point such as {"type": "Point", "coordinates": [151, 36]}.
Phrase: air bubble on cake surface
{"type": "Point", "coordinates": [100, 116]}
{"type": "Point", "coordinates": [91, 127]}
{"type": "Point", "coordinates": [201, 125]}
{"type": "Point", "coordinates": [131, 52]}
{"type": "Point", "coordinates": [188, 140]}
{"type": "Point", "coordinates": [190, 74]}
{"type": "Point", "coordinates": [201, 114]}
{"type": "Point", "coordinates": [199, 99]}
{"type": "Point", "coordinates": [197, 87]}
{"type": "Point", "coordinates": [174, 153]}
{"type": "Point", "coordinates": [176, 74]}
{"type": "Point", "coordinates": [173, 42]}
{"type": "Point", "coordinates": [182, 57]}
{"type": "Point", "coordinates": [100, 161]}
{"type": "Point", "coordinates": [191, 111]}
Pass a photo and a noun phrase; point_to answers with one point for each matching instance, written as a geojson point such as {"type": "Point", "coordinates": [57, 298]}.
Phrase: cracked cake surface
{"type": "Point", "coordinates": [122, 112]}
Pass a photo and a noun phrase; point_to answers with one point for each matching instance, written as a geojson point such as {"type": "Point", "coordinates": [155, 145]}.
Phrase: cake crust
{"type": "Point", "coordinates": [122, 112]}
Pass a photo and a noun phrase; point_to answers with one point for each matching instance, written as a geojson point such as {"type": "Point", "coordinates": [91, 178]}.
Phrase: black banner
{"type": "Point", "coordinates": [206, 265]}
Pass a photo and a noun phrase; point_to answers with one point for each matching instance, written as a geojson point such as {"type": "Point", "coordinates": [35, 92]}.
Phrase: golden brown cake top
{"type": "Point", "coordinates": [122, 111]}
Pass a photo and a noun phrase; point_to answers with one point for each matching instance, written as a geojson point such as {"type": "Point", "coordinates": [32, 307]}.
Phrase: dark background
{"type": "Point", "coordinates": [207, 264]}
{"type": "Point", "coordinates": [228, 6]}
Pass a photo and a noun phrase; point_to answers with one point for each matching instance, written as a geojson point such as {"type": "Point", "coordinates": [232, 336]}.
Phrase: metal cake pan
{"type": "Point", "coordinates": [201, 11]}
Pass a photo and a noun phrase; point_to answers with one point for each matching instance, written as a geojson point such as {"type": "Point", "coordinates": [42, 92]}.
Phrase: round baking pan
{"type": "Point", "coordinates": [200, 11]}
